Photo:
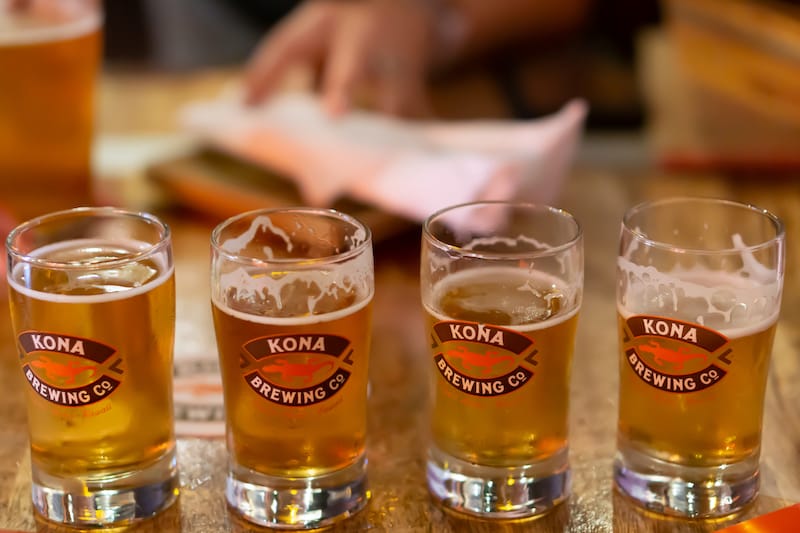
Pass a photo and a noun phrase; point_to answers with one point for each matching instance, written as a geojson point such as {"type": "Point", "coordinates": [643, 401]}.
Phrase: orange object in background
{"type": "Point", "coordinates": [783, 521]}
{"type": "Point", "coordinates": [49, 56]}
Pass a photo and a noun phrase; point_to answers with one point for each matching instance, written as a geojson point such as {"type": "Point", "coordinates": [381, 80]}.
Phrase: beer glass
{"type": "Point", "coordinates": [49, 57]}
{"type": "Point", "coordinates": [698, 295]}
{"type": "Point", "coordinates": [93, 309]}
{"type": "Point", "coordinates": [501, 285]}
{"type": "Point", "coordinates": [291, 293]}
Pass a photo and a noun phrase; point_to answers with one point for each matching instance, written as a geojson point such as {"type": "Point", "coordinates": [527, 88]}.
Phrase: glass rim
{"type": "Point", "coordinates": [777, 223]}
{"type": "Point", "coordinates": [86, 212]}
{"type": "Point", "coordinates": [310, 262]}
{"type": "Point", "coordinates": [475, 254]}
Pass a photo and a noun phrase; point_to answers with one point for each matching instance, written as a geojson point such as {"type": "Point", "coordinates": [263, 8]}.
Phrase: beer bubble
{"type": "Point", "coordinates": [739, 313]}
{"type": "Point", "coordinates": [723, 299]}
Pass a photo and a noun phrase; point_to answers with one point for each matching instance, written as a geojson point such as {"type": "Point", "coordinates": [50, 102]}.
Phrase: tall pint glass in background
{"type": "Point", "coordinates": [93, 309]}
{"type": "Point", "coordinates": [49, 57]}
{"type": "Point", "coordinates": [292, 299]}
{"type": "Point", "coordinates": [501, 285]}
{"type": "Point", "coordinates": [698, 295]}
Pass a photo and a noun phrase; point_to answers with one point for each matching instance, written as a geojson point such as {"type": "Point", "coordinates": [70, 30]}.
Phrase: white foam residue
{"type": "Point", "coordinates": [257, 289]}
{"type": "Point", "coordinates": [237, 244]}
{"type": "Point", "coordinates": [720, 299]}
{"type": "Point", "coordinates": [510, 241]}
{"type": "Point", "coordinates": [714, 299]}
{"type": "Point", "coordinates": [357, 239]}
{"type": "Point", "coordinates": [751, 265]}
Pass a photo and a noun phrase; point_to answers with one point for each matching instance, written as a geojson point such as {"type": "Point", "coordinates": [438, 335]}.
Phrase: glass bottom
{"type": "Point", "coordinates": [112, 499]}
{"type": "Point", "coordinates": [298, 503]}
{"type": "Point", "coordinates": [485, 491]}
{"type": "Point", "coordinates": [676, 490]}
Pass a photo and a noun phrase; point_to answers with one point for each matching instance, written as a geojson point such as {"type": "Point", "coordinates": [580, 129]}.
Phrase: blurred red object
{"type": "Point", "coordinates": [782, 521]}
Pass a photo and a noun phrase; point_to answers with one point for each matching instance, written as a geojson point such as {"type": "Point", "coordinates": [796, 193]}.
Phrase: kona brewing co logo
{"type": "Point", "coordinates": [674, 356]}
{"type": "Point", "coordinates": [296, 370]}
{"type": "Point", "coordinates": [66, 370]}
{"type": "Point", "coordinates": [481, 360]}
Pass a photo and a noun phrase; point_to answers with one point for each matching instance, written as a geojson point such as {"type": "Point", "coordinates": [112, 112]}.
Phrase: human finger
{"type": "Point", "coordinates": [346, 65]}
{"type": "Point", "coordinates": [300, 38]}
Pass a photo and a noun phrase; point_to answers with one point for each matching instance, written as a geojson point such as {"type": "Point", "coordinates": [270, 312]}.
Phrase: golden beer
{"type": "Point", "coordinates": [47, 101]}
{"type": "Point", "coordinates": [519, 415]}
{"type": "Point", "coordinates": [300, 411]}
{"type": "Point", "coordinates": [291, 295]}
{"type": "Point", "coordinates": [699, 284]}
{"type": "Point", "coordinates": [707, 411]}
{"type": "Point", "coordinates": [96, 352]}
{"type": "Point", "coordinates": [501, 284]}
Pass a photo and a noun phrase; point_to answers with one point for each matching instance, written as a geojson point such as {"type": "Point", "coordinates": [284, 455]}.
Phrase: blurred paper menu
{"type": "Point", "coordinates": [407, 168]}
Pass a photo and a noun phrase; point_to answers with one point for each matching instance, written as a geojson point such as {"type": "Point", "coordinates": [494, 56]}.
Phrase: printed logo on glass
{"type": "Point", "coordinates": [674, 356]}
{"type": "Point", "coordinates": [297, 370]}
{"type": "Point", "coordinates": [482, 360]}
{"type": "Point", "coordinates": [69, 371]}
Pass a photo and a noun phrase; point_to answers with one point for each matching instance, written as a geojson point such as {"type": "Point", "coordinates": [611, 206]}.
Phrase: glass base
{"type": "Point", "coordinates": [112, 499]}
{"type": "Point", "coordinates": [513, 492]}
{"type": "Point", "coordinates": [676, 490]}
{"type": "Point", "coordinates": [298, 503]}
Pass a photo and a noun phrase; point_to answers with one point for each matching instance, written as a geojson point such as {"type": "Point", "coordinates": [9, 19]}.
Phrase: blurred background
{"type": "Point", "coordinates": [711, 84]}
{"type": "Point", "coordinates": [523, 76]}
{"type": "Point", "coordinates": [671, 85]}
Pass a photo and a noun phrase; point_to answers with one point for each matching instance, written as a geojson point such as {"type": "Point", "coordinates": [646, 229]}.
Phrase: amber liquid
{"type": "Point", "coordinates": [130, 308]}
{"type": "Point", "coordinates": [717, 425]}
{"type": "Point", "coordinates": [47, 111]}
{"type": "Point", "coordinates": [294, 440]}
{"type": "Point", "coordinates": [529, 424]}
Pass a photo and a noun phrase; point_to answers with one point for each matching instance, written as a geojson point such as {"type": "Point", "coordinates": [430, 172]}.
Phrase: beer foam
{"type": "Point", "coordinates": [509, 241]}
{"type": "Point", "coordinates": [529, 282]}
{"type": "Point", "coordinates": [305, 320]}
{"type": "Point", "coordinates": [727, 302]}
{"type": "Point", "coordinates": [235, 245]}
{"type": "Point", "coordinates": [21, 269]}
{"type": "Point", "coordinates": [255, 284]}
{"type": "Point", "coordinates": [539, 247]}
{"type": "Point", "coordinates": [728, 332]}
{"type": "Point", "coordinates": [17, 30]}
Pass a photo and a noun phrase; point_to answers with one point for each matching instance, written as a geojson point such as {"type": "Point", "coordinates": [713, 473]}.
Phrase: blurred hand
{"type": "Point", "coordinates": [378, 50]}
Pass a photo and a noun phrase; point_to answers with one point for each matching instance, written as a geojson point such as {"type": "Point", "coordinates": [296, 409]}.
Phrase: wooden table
{"type": "Point", "coordinates": [598, 193]}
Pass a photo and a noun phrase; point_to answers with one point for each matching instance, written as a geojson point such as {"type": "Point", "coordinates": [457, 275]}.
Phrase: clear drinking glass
{"type": "Point", "coordinates": [292, 300]}
{"type": "Point", "coordinates": [49, 57]}
{"type": "Point", "coordinates": [698, 296]}
{"type": "Point", "coordinates": [93, 309]}
{"type": "Point", "coordinates": [501, 286]}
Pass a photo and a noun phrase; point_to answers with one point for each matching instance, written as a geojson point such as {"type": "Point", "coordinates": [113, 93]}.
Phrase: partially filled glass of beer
{"type": "Point", "coordinates": [291, 293]}
{"type": "Point", "coordinates": [93, 309]}
{"type": "Point", "coordinates": [698, 296]}
{"type": "Point", "coordinates": [501, 285]}
{"type": "Point", "coordinates": [49, 57]}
